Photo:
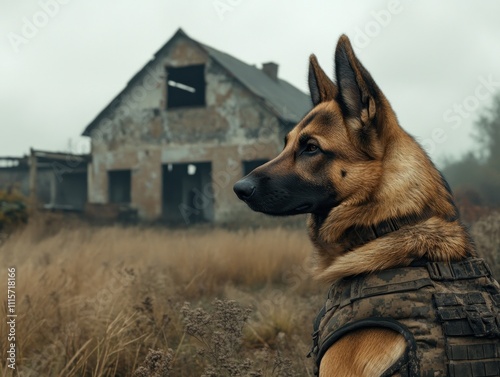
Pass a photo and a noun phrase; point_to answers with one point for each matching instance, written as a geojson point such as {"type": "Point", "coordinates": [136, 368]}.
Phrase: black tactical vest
{"type": "Point", "coordinates": [449, 314]}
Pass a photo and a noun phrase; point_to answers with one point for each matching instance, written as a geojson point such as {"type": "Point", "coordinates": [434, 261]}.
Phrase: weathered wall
{"type": "Point", "coordinates": [139, 134]}
{"type": "Point", "coordinates": [53, 189]}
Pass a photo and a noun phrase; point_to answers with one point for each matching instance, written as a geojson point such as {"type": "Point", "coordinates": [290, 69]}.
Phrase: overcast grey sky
{"type": "Point", "coordinates": [64, 60]}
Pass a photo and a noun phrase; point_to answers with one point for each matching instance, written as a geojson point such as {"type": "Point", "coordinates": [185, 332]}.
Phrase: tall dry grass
{"type": "Point", "coordinates": [108, 301]}
{"type": "Point", "coordinates": [94, 301]}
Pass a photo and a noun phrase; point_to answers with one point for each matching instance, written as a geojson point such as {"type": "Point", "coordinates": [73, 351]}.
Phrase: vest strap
{"type": "Point", "coordinates": [470, 268]}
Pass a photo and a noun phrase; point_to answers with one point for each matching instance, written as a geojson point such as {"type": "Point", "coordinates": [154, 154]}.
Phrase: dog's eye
{"type": "Point", "coordinates": [311, 148]}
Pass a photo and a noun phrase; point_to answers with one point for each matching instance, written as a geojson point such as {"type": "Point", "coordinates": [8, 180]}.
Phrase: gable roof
{"type": "Point", "coordinates": [283, 99]}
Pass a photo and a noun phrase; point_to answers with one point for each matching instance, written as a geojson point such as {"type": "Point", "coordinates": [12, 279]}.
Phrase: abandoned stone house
{"type": "Point", "coordinates": [187, 126]}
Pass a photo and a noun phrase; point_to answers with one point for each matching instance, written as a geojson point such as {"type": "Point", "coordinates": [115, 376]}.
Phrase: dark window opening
{"type": "Point", "coordinates": [187, 193]}
{"type": "Point", "coordinates": [185, 86]}
{"type": "Point", "coordinates": [71, 191]}
{"type": "Point", "coordinates": [119, 186]}
{"type": "Point", "coordinates": [248, 166]}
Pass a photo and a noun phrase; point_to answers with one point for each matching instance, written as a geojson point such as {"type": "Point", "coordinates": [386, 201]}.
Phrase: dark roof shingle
{"type": "Point", "coordinates": [285, 100]}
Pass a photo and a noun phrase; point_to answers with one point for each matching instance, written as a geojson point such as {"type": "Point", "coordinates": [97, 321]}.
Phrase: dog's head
{"type": "Point", "coordinates": [335, 152]}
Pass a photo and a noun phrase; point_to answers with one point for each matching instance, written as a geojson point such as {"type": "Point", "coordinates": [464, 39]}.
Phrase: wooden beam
{"type": "Point", "coordinates": [32, 182]}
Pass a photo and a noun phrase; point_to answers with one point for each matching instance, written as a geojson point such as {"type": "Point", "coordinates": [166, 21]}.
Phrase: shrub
{"type": "Point", "coordinates": [13, 210]}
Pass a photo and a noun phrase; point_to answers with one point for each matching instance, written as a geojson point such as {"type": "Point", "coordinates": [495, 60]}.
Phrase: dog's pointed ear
{"type": "Point", "coordinates": [358, 91]}
{"type": "Point", "coordinates": [322, 89]}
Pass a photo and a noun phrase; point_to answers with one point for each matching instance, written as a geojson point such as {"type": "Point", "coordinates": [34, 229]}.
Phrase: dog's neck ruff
{"type": "Point", "coordinates": [358, 235]}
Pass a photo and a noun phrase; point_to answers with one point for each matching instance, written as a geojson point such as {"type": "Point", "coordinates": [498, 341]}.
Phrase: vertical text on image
{"type": "Point", "coordinates": [11, 317]}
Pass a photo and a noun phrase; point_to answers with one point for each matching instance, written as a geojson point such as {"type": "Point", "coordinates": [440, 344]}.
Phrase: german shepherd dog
{"type": "Point", "coordinates": [352, 168]}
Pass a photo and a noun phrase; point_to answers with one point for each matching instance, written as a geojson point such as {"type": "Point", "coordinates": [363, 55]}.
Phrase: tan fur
{"type": "Point", "coordinates": [363, 353]}
{"type": "Point", "coordinates": [433, 238]}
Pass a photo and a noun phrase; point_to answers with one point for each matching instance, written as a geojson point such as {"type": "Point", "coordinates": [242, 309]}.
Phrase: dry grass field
{"type": "Point", "coordinates": [93, 301]}
{"type": "Point", "coordinates": [152, 302]}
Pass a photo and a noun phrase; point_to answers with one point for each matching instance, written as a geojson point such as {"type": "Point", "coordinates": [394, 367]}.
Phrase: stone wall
{"type": "Point", "coordinates": [140, 134]}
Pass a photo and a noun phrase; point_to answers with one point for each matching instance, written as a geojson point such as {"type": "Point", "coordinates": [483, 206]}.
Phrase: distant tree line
{"type": "Point", "coordinates": [475, 177]}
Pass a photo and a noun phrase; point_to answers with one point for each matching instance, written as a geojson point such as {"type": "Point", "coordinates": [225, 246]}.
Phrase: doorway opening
{"type": "Point", "coordinates": [187, 193]}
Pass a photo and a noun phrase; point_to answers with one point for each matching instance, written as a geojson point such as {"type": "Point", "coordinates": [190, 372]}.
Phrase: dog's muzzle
{"type": "Point", "coordinates": [244, 188]}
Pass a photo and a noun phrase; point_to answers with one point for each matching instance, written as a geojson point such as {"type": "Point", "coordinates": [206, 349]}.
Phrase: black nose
{"type": "Point", "coordinates": [244, 188]}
